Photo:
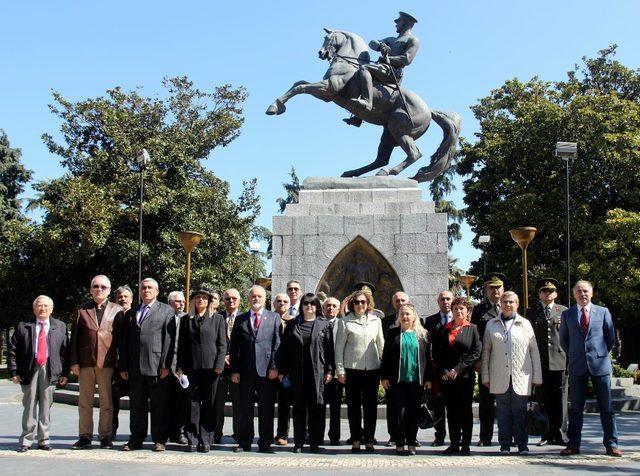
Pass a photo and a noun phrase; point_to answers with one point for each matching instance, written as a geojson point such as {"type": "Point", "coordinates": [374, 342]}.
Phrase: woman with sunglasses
{"type": "Point", "coordinates": [358, 350]}
{"type": "Point", "coordinates": [202, 347]}
{"type": "Point", "coordinates": [305, 364]}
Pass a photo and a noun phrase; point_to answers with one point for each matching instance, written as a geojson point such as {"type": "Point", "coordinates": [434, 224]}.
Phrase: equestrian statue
{"type": "Point", "coordinates": [371, 92]}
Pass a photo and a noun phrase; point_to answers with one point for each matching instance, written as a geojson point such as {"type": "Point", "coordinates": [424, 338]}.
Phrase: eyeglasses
{"type": "Point", "coordinates": [293, 289]}
{"type": "Point", "coordinates": [228, 298]}
{"type": "Point", "coordinates": [307, 303]}
{"type": "Point", "coordinates": [360, 301]}
{"type": "Point", "coordinates": [100, 286]}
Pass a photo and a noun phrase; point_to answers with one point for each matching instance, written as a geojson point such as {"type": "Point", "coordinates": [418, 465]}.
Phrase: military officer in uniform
{"type": "Point", "coordinates": [483, 313]}
{"type": "Point", "coordinates": [545, 318]}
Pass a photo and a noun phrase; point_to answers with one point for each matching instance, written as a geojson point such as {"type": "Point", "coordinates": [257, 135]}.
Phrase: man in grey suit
{"type": "Point", "coordinates": [144, 359]}
{"type": "Point", "coordinates": [37, 361]}
{"type": "Point", "coordinates": [587, 336]}
{"type": "Point", "coordinates": [255, 339]}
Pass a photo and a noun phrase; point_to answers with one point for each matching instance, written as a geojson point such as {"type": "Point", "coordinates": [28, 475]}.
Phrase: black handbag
{"type": "Point", "coordinates": [426, 418]}
{"type": "Point", "coordinates": [537, 421]}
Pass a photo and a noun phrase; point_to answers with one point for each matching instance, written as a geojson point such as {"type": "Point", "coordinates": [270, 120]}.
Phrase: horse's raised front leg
{"type": "Point", "coordinates": [319, 90]}
{"type": "Point", "coordinates": [387, 143]}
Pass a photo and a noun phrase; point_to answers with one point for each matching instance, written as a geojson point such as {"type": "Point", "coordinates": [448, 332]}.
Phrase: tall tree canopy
{"type": "Point", "coordinates": [513, 178]}
{"type": "Point", "coordinates": [90, 214]}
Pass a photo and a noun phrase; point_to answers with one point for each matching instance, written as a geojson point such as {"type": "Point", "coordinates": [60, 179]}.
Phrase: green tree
{"type": "Point", "coordinates": [90, 214]}
{"type": "Point", "coordinates": [439, 188]}
{"type": "Point", "coordinates": [292, 190]}
{"type": "Point", "coordinates": [13, 177]}
{"type": "Point", "coordinates": [513, 178]}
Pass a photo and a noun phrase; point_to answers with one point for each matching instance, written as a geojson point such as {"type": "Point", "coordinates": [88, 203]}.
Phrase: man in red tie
{"type": "Point", "coordinates": [587, 336]}
{"type": "Point", "coordinates": [37, 361]}
{"type": "Point", "coordinates": [255, 339]}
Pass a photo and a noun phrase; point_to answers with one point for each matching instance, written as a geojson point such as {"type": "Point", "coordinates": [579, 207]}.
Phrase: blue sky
{"type": "Point", "coordinates": [467, 48]}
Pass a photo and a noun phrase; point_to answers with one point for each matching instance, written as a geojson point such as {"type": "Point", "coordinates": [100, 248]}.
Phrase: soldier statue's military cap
{"type": "Point", "coordinates": [547, 283]}
{"type": "Point", "coordinates": [365, 286]}
{"type": "Point", "coordinates": [494, 279]}
{"type": "Point", "coordinates": [408, 17]}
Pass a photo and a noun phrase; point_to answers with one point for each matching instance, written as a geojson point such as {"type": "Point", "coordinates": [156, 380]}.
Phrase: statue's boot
{"type": "Point", "coordinates": [353, 121]}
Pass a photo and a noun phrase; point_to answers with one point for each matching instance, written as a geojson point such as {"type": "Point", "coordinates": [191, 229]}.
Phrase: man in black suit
{"type": "Point", "coordinates": [231, 300]}
{"type": "Point", "coordinates": [255, 340]}
{"type": "Point", "coordinates": [545, 318]}
{"type": "Point", "coordinates": [177, 396]}
{"type": "Point", "coordinates": [145, 359]}
{"type": "Point", "coordinates": [433, 324]}
{"type": "Point", "coordinates": [333, 390]}
{"type": "Point", "coordinates": [483, 313]}
{"type": "Point", "coordinates": [390, 322]}
{"type": "Point", "coordinates": [37, 360]}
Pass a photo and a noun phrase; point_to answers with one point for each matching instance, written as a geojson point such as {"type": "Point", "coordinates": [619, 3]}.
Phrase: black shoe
{"type": "Point", "coordinates": [266, 449]}
{"type": "Point", "coordinates": [334, 442]}
{"type": "Point", "coordinates": [297, 449]}
{"type": "Point", "coordinates": [483, 443]}
{"type": "Point", "coordinates": [180, 440]}
{"type": "Point", "coordinates": [217, 440]}
{"type": "Point", "coordinates": [315, 449]}
{"type": "Point", "coordinates": [204, 448]}
{"type": "Point", "coordinates": [83, 443]}
{"type": "Point", "coordinates": [465, 451]}
{"type": "Point", "coordinates": [132, 446]}
{"type": "Point", "coordinates": [417, 444]}
{"type": "Point", "coordinates": [191, 448]}
{"type": "Point", "coordinates": [436, 443]}
{"type": "Point", "coordinates": [240, 449]}
{"type": "Point", "coordinates": [106, 443]}
{"type": "Point", "coordinates": [390, 444]}
{"type": "Point", "coordinates": [400, 451]}
{"type": "Point", "coordinates": [369, 448]}
{"type": "Point", "coordinates": [353, 121]}
{"type": "Point", "coordinates": [23, 449]}
{"type": "Point", "coordinates": [349, 441]}
{"type": "Point", "coordinates": [45, 447]}
{"type": "Point", "coordinates": [452, 450]}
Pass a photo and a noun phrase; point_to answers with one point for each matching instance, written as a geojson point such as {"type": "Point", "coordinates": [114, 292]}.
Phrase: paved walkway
{"type": "Point", "coordinates": [97, 462]}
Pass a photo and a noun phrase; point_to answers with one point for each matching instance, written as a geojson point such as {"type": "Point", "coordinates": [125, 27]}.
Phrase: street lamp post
{"type": "Point", "coordinates": [523, 237]}
{"type": "Point", "coordinates": [567, 151]}
{"type": "Point", "coordinates": [189, 240]}
{"type": "Point", "coordinates": [484, 241]}
{"type": "Point", "coordinates": [143, 160]}
{"type": "Point", "coordinates": [254, 247]}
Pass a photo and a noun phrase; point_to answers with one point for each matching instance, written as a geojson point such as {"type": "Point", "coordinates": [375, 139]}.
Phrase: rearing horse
{"type": "Point", "coordinates": [402, 125]}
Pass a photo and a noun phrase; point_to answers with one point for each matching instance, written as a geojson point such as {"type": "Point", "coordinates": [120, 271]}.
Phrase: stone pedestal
{"type": "Point", "coordinates": [374, 229]}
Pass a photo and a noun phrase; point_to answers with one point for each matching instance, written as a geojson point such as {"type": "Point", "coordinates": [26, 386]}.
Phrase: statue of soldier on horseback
{"type": "Point", "coordinates": [371, 92]}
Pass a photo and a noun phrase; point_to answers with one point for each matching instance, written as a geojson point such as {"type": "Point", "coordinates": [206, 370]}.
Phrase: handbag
{"type": "Point", "coordinates": [536, 421]}
{"type": "Point", "coordinates": [426, 416]}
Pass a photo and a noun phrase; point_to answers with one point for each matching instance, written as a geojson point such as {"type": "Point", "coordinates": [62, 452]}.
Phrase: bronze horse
{"type": "Point", "coordinates": [403, 121]}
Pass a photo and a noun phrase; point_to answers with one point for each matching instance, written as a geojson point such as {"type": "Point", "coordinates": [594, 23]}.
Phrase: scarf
{"type": "Point", "coordinates": [453, 331]}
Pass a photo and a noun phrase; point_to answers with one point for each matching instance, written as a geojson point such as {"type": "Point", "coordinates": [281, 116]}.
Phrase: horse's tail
{"type": "Point", "coordinates": [440, 161]}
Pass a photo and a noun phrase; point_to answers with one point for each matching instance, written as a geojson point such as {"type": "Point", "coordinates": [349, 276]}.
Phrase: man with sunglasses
{"type": "Point", "coordinates": [294, 291]}
{"type": "Point", "coordinates": [92, 357]}
{"type": "Point", "coordinates": [545, 319]}
{"type": "Point", "coordinates": [231, 300]}
{"type": "Point", "coordinates": [281, 305]}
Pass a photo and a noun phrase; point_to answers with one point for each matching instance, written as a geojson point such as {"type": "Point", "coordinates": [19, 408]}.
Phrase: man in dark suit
{"type": "Point", "coordinates": [483, 313]}
{"type": "Point", "coordinates": [92, 357]}
{"type": "Point", "coordinates": [333, 390]}
{"type": "Point", "coordinates": [37, 360]}
{"type": "Point", "coordinates": [390, 322]}
{"type": "Point", "coordinates": [231, 300]}
{"type": "Point", "coordinates": [587, 336]}
{"type": "Point", "coordinates": [255, 339]}
{"type": "Point", "coordinates": [177, 396]}
{"type": "Point", "coordinates": [545, 319]}
{"type": "Point", "coordinates": [145, 357]}
{"type": "Point", "coordinates": [433, 324]}
{"type": "Point", "coordinates": [119, 387]}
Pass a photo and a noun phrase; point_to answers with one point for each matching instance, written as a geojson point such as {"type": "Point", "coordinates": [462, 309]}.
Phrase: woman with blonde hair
{"type": "Point", "coordinates": [406, 368]}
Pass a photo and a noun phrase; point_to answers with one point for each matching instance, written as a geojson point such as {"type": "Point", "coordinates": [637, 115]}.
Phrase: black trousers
{"type": "Point", "coordinates": [226, 390]}
{"type": "Point", "coordinates": [148, 394]}
{"type": "Point", "coordinates": [178, 407]}
{"type": "Point", "coordinates": [361, 387]}
{"type": "Point", "coordinates": [458, 398]}
{"type": "Point", "coordinates": [487, 413]}
{"type": "Point", "coordinates": [284, 412]}
{"type": "Point", "coordinates": [407, 398]}
{"type": "Point", "coordinates": [439, 414]}
{"type": "Point", "coordinates": [201, 411]}
{"type": "Point", "coordinates": [119, 388]}
{"type": "Point", "coordinates": [333, 397]}
{"type": "Point", "coordinates": [392, 419]}
{"type": "Point", "coordinates": [551, 398]}
{"type": "Point", "coordinates": [311, 416]}
{"type": "Point", "coordinates": [252, 388]}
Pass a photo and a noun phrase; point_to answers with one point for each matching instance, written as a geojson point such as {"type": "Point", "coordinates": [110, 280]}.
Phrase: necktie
{"type": "Point", "coordinates": [547, 313]}
{"type": "Point", "coordinates": [292, 310]}
{"type": "Point", "coordinates": [230, 325]}
{"type": "Point", "coordinates": [584, 321]}
{"type": "Point", "coordinates": [256, 322]}
{"type": "Point", "coordinates": [41, 357]}
{"type": "Point", "coordinates": [143, 313]}
{"type": "Point", "coordinates": [497, 306]}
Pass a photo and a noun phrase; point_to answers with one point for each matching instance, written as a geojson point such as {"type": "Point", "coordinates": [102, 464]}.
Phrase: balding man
{"type": "Point", "coordinates": [434, 324]}
{"type": "Point", "coordinates": [92, 356]}
{"type": "Point", "coordinates": [334, 389]}
{"type": "Point", "coordinates": [145, 356]}
{"type": "Point", "coordinates": [37, 360]}
{"type": "Point", "coordinates": [281, 305]}
{"type": "Point", "coordinates": [255, 340]}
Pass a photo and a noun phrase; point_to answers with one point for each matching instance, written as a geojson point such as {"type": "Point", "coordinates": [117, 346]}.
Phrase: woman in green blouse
{"type": "Point", "coordinates": [406, 366]}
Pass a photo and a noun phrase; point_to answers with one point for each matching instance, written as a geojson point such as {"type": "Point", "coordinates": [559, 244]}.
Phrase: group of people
{"type": "Point", "coordinates": [181, 367]}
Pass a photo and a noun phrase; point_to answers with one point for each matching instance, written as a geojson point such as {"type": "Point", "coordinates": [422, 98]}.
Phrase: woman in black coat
{"type": "Point", "coordinates": [457, 348]}
{"type": "Point", "coordinates": [202, 346]}
{"type": "Point", "coordinates": [406, 369]}
{"type": "Point", "coordinates": [305, 366]}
